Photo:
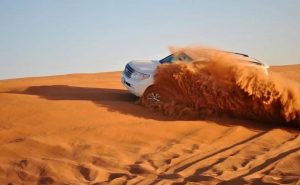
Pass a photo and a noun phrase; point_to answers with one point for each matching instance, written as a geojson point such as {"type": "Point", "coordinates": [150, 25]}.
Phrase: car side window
{"type": "Point", "coordinates": [184, 58]}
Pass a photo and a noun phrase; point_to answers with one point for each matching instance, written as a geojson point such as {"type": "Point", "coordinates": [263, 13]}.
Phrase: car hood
{"type": "Point", "coordinates": [144, 66]}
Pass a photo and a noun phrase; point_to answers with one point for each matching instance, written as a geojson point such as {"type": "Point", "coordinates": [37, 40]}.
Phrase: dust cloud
{"type": "Point", "coordinates": [218, 83]}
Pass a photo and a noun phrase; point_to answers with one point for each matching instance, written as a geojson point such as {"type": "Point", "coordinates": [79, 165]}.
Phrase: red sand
{"type": "Point", "coordinates": [87, 129]}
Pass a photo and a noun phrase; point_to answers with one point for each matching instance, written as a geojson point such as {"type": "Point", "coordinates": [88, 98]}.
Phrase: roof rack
{"type": "Point", "coordinates": [239, 54]}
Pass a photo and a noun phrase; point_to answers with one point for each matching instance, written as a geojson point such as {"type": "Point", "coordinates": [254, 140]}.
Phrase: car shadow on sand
{"type": "Point", "coordinates": [119, 100]}
{"type": "Point", "coordinates": [115, 100]}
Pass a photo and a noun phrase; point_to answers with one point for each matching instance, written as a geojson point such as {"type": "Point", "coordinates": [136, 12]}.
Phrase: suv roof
{"type": "Point", "coordinates": [243, 56]}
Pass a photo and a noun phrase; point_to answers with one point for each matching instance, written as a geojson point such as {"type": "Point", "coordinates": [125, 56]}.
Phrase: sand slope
{"type": "Point", "coordinates": [87, 129]}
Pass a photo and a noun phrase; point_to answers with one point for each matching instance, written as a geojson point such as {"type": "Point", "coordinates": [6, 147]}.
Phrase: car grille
{"type": "Point", "coordinates": [128, 71]}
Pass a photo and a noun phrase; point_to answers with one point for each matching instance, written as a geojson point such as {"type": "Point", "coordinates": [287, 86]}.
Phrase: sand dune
{"type": "Point", "coordinates": [87, 129]}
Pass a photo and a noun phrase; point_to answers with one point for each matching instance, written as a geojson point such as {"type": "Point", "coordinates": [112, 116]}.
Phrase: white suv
{"type": "Point", "coordinates": [138, 74]}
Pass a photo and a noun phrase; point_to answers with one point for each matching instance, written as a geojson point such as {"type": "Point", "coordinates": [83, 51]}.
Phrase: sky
{"type": "Point", "coordinates": [51, 37]}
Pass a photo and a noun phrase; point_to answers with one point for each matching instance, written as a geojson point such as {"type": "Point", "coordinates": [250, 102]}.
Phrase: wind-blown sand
{"type": "Point", "coordinates": [87, 129]}
{"type": "Point", "coordinates": [219, 83]}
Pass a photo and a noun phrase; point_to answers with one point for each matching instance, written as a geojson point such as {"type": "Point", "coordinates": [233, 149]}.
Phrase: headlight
{"type": "Point", "coordinates": [139, 76]}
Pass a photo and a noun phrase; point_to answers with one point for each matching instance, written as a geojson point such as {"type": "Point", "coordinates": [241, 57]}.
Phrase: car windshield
{"type": "Point", "coordinates": [167, 59]}
{"type": "Point", "coordinates": [171, 58]}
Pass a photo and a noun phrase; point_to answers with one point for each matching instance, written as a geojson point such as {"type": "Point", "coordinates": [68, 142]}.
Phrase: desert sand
{"type": "Point", "coordinates": [88, 129]}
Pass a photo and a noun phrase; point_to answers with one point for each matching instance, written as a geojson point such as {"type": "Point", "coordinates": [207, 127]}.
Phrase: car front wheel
{"type": "Point", "coordinates": [154, 95]}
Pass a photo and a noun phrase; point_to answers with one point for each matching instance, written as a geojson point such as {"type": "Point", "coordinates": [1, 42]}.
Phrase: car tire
{"type": "Point", "coordinates": [153, 96]}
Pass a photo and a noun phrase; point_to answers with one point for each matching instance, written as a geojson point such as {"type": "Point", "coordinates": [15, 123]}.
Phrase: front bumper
{"type": "Point", "coordinates": [136, 87]}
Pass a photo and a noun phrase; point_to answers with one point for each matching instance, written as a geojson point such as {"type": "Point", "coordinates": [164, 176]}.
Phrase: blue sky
{"type": "Point", "coordinates": [62, 36]}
